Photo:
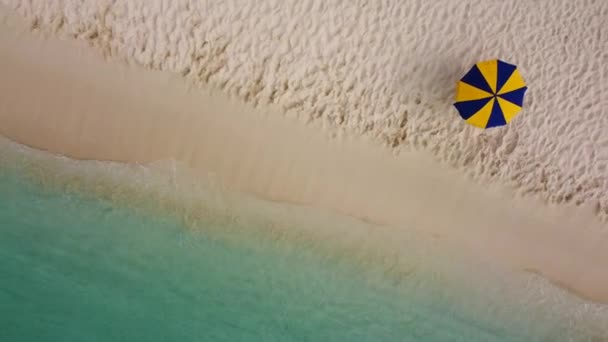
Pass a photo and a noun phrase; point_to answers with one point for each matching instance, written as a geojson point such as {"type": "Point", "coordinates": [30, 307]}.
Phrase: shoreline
{"type": "Point", "coordinates": [430, 271]}
{"type": "Point", "coordinates": [61, 97]}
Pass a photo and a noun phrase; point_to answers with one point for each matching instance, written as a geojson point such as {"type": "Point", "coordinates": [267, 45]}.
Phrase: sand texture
{"type": "Point", "coordinates": [61, 97]}
{"type": "Point", "coordinates": [386, 69]}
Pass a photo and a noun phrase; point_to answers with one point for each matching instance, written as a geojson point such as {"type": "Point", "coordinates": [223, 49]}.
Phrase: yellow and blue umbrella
{"type": "Point", "coordinates": [491, 94]}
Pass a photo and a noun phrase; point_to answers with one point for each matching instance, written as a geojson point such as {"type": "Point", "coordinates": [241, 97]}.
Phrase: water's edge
{"type": "Point", "coordinates": [87, 108]}
{"type": "Point", "coordinates": [406, 261]}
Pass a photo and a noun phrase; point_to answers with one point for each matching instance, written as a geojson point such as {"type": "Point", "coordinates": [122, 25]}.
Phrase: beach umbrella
{"type": "Point", "coordinates": [490, 94]}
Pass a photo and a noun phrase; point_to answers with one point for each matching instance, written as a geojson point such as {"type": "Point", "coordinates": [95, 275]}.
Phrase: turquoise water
{"type": "Point", "coordinates": [79, 268]}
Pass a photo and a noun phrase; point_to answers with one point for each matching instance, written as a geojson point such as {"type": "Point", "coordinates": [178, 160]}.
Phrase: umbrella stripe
{"type": "Point", "coordinates": [469, 108]}
{"type": "Point", "coordinates": [466, 92]}
{"type": "Point", "coordinates": [496, 118]}
{"type": "Point", "coordinates": [504, 72]}
{"type": "Point", "coordinates": [489, 71]}
{"type": "Point", "coordinates": [509, 110]}
{"type": "Point", "coordinates": [514, 82]}
{"type": "Point", "coordinates": [515, 96]}
{"type": "Point", "coordinates": [476, 79]}
{"type": "Point", "coordinates": [480, 119]}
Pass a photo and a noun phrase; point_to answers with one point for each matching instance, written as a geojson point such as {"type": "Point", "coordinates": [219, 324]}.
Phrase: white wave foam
{"type": "Point", "coordinates": [409, 259]}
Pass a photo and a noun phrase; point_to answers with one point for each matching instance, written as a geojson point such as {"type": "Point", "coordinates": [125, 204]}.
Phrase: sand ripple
{"type": "Point", "coordinates": [386, 69]}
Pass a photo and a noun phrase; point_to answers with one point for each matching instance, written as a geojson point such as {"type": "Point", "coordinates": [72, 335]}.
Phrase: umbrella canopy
{"type": "Point", "coordinates": [490, 94]}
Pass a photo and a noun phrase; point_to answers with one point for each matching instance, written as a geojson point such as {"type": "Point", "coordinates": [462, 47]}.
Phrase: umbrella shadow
{"type": "Point", "coordinates": [433, 78]}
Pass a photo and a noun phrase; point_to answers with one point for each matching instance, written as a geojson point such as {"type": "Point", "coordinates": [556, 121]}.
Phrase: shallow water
{"type": "Point", "coordinates": [81, 268]}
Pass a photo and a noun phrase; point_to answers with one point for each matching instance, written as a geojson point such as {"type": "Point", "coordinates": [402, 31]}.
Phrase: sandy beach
{"type": "Point", "coordinates": [64, 97]}
{"type": "Point", "coordinates": [386, 70]}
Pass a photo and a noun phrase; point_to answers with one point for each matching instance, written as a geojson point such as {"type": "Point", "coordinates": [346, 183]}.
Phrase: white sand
{"type": "Point", "coordinates": [61, 97]}
{"type": "Point", "coordinates": [386, 69]}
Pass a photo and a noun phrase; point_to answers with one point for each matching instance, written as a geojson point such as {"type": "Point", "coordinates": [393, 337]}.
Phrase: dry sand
{"type": "Point", "coordinates": [386, 69]}
{"type": "Point", "coordinates": [62, 97]}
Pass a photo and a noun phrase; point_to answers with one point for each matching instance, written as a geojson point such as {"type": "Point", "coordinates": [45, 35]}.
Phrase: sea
{"type": "Point", "coordinates": [99, 251]}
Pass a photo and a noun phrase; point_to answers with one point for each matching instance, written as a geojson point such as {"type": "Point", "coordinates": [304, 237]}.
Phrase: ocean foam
{"type": "Point", "coordinates": [409, 259]}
